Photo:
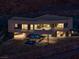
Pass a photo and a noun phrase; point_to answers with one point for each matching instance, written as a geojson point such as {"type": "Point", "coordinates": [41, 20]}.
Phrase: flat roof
{"type": "Point", "coordinates": [43, 17]}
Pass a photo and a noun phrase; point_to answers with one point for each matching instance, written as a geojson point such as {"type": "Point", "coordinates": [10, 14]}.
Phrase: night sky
{"type": "Point", "coordinates": [38, 7]}
{"type": "Point", "coordinates": [34, 8]}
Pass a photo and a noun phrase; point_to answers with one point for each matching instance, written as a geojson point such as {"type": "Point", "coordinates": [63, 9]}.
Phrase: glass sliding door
{"type": "Point", "coordinates": [42, 27]}
{"type": "Point", "coordinates": [31, 27]}
{"type": "Point", "coordinates": [59, 26]}
{"type": "Point", "coordinates": [24, 27]}
{"type": "Point", "coordinates": [38, 27]}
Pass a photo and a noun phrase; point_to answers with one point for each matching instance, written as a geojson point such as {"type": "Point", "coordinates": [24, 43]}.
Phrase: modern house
{"type": "Point", "coordinates": [45, 25]}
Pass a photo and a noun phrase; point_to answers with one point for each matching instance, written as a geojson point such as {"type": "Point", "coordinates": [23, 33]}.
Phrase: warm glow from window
{"type": "Point", "coordinates": [46, 26]}
{"type": "Point", "coordinates": [61, 34]}
{"type": "Point", "coordinates": [24, 26]}
{"type": "Point", "coordinates": [16, 25]}
{"type": "Point", "coordinates": [60, 26]}
{"type": "Point", "coordinates": [35, 26]}
{"type": "Point", "coordinates": [19, 36]}
{"type": "Point", "coordinates": [42, 26]}
{"type": "Point", "coordinates": [31, 25]}
{"type": "Point", "coordinates": [38, 27]}
{"type": "Point", "coordinates": [70, 35]}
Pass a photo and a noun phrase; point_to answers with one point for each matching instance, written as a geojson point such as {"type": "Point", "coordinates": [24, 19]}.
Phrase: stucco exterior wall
{"type": "Point", "coordinates": [11, 23]}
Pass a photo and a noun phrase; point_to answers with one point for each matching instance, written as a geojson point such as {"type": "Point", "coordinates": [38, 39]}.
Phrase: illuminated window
{"type": "Point", "coordinates": [60, 26]}
{"type": "Point", "coordinates": [31, 25]}
{"type": "Point", "coordinates": [24, 26]}
{"type": "Point", "coordinates": [61, 34]}
{"type": "Point", "coordinates": [17, 26]}
{"type": "Point", "coordinates": [38, 26]}
{"type": "Point", "coordinates": [42, 26]}
{"type": "Point", "coordinates": [46, 26]}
